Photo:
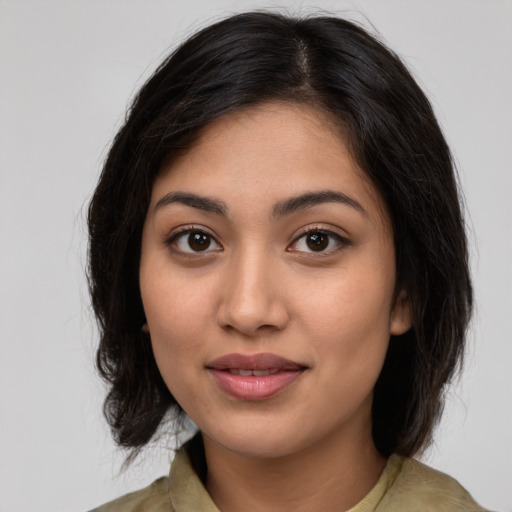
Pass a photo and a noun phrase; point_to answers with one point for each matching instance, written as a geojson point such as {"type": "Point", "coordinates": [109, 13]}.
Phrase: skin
{"type": "Point", "coordinates": [260, 288]}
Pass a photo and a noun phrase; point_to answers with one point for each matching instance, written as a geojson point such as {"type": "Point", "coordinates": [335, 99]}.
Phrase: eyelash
{"type": "Point", "coordinates": [340, 241]}
{"type": "Point", "coordinates": [189, 230]}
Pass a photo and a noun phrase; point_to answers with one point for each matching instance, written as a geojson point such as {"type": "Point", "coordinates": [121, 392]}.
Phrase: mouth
{"type": "Point", "coordinates": [254, 377]}
{"type": "Point", "coordinates": [254, 373]}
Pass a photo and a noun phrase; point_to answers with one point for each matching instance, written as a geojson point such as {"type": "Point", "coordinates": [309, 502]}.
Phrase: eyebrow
{"type": "Point", "coordinates": [280, 209]}
{"type": "Point", "coordinates": [310, 199]}
{"type": "Point", "coordinates": [207, 204]}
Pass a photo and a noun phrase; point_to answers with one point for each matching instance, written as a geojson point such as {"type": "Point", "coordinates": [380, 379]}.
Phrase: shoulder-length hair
{"type": "Point", "coordinates": [336, 66]}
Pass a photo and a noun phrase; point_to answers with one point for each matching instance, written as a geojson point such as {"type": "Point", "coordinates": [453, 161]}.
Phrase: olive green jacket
{"type": "Point", "coordinates": [405, 485]}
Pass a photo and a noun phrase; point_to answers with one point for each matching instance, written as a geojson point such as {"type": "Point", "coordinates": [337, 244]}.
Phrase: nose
{"type": "Point", "coordinates": [253, 297]}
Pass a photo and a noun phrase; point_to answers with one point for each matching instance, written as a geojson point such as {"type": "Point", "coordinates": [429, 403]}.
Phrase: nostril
{"type": "Point", "coordinates": [253, 322]}
{"type": "Point", "coordinates": [250, 299]}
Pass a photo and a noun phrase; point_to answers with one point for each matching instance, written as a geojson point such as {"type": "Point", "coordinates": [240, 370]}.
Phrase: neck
{"type": "Point", "coordinates": [333, 474]}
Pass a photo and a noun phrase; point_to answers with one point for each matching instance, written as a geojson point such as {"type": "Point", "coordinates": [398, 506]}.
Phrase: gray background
{"type": "Point", "coordinates": [67, 71]}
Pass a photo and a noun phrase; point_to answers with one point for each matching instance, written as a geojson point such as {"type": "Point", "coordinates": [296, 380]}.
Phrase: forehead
{"type": "Point", "coordinates": [268, 152]}
{"type": "Point", "coordinates": [296, 124]}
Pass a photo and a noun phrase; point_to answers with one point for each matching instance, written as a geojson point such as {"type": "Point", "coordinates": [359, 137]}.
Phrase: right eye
{"type": "Point", "coordinates": [194, 241]}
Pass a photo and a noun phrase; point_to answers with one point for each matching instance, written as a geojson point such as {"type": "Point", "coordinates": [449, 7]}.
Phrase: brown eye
{"type": "Point", "coordinates": [199, 241]}
{"type": "Point", "coordinates": [317, 241]}
{"type": "Point", "coordinates": [194, 242]}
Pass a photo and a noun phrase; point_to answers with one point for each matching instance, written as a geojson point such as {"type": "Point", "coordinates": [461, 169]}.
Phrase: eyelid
{"type": "Point", "coordinates": [187, 229]}
{"type": "Point", "coordinates": [343, 241]}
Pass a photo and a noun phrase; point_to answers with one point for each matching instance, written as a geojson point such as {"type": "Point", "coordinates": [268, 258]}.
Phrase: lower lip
{"type": "Point", "coordinates": [254, 387]}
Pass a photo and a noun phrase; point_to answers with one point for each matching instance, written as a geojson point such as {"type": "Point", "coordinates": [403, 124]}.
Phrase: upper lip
{"type": "Point", "coordinates": [253, 362]}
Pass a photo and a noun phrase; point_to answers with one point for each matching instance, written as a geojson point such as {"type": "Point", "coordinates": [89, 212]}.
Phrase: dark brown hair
{"type": "Point", "coordinates": [334, 65]}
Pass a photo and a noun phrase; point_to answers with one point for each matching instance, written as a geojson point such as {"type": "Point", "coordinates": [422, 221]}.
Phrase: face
{"type": "Point", "coordinates": [268, 282]}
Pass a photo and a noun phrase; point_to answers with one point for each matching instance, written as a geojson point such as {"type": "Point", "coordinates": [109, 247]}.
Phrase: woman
{"type": "Point", "coordinates": [277, 249]}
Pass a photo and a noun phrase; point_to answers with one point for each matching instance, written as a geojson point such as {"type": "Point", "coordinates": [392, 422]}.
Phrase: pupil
{"type": "Point", "coordinates": [317, 241]}
{"type": "Point", "coordinates": [198, 241]}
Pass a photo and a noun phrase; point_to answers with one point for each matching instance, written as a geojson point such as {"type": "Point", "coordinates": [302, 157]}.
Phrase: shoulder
{"type": "Point", "coordinates": [182, 489]}
{"type": "Point", "coordinates": [153, 498]}
{"type": "Point", "coordinates": [420, 488]}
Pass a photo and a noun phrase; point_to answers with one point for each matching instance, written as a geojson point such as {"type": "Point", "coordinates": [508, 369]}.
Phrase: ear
{"type": "Point", "coordinates": [145, 328]}
{"type": "Point", "coordinates": [401, 317]}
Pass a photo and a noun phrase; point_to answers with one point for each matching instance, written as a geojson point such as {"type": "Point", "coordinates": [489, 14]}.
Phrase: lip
{"type": "Point", "coordinates": [282, 373]}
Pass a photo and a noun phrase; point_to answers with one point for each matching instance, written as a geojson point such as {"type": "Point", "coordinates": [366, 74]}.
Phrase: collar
{"type": "Point", "coordinates": [187, 491]}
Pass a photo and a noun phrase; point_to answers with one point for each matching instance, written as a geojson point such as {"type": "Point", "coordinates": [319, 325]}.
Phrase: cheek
{"type": "Point", "coordinates": [350, 304]}
{"type": "Point", "coordinates": [176, 311]}
{"type": "Point", "coordinates": [349, 319]}
{"type": "Point", "coordinates": [175, 325]}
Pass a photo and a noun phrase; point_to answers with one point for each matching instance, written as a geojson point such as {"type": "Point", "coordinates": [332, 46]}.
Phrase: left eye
{"type": "Point", "coordinates": [195, 241]}
{"type": "Point", "coordinates": [317, 241]}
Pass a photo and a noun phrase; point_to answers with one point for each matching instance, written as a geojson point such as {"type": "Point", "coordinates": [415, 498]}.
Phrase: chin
{"type": "Point", "coordinates": [253, 441]}
{"type": "Point", "coordinates": [264, 448]}
{"type": "Point", "coordinates": [262, 440]}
